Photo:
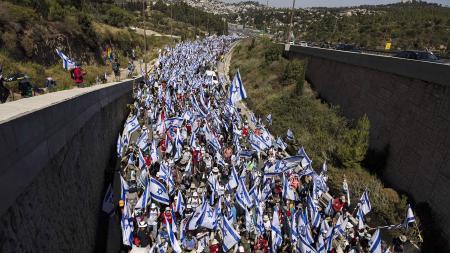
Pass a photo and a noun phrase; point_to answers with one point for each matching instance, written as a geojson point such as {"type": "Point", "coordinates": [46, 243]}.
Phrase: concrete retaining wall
{"type": "Point", "coordinates": [55, 152]}
{"type": "Point", "coordinates": [408, 105]}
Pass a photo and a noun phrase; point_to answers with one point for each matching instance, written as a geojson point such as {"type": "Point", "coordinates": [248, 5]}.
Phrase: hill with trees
{"type": "Point", "coordinates": [413, 25]}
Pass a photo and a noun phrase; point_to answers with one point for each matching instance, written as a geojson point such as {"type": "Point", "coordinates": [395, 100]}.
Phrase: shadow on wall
{"type": "Point", "coordinates": [376, 160]}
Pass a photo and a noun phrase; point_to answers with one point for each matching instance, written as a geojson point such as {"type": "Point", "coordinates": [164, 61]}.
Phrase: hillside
{"type": "Point", "coordinates": [416, 25]}
{"type": "Point", "coordinates": [31, 31]}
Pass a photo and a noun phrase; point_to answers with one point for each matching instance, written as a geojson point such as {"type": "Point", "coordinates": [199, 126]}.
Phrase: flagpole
{"type": "Point", "coordinates": [290, 26]}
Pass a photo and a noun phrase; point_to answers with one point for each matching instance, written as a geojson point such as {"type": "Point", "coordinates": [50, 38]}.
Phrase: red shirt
{"type": "Point", "coordinates": [78, 75]}
{"type": "Point", "coordinates": [163, 216]}
{"type": "Point", "coordinates": [337, 205]}
{"type": "Point", "coordinates": [214, 248]}
{"type": "Point", "coordinates": [148, 160]}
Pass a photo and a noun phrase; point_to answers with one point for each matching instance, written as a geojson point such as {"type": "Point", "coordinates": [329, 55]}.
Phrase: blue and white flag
{"type": "Point", "coordinates": [280, 144]}
{"type": "Point", "coordinates": [314, 214]}
{"type": "Point", "coordinates": [306, 162]}
{"type": "Point", "coordinates": [266, 192]}
{"type": "Point", "coordinates": [194, 219]}
{"type": "Point", "coordinates": [237, 90]}
{"type": "Point", "coordinates": [360, 216]}
{"type": "Point", "coordinates": [288, 193]}
{"type": "Point", "coordinates": [277, 238]}
{"type": "Point", "coordinates": [174, 122]}
{"type": "Point", "coordinates": [132, 125]}
{"type": "Point", "coordinates": [409, 217]}
{"type": "Point", "coordinates": [233, 182]}
{"type": "Point", "coordinates": [142, 140]}
{"type": "Point", "coordinates": [123, 188]}
{"type": "Point", "coordinates": [375, 242]}
{"type": "Point", "coordinates": [119, 146]}
{"type": "Point", "coordinates": [305, 246]}
{"type": "Point", "coordinates": [290, 135]}
{"type": "Point", "coordinates": [154, 152]}
{"type": "Point", "coordinates": [180, 205]}
{"type": "Point", "coordinates": [269, 119]}
{"type": "Point", "coordinates": [145, 197]}
{"type": "Point", "coordinates": [320, 244]}
{"type": "Point", "coordinates": [364, 203]}
{"type": "Point", "coordinates": [141, 160]}
{"type": "Point", "coordinates": [158, 192]}
{"type": "Point", "coordinates": [67, 62]}
{"type": "Point", "coordinates": [230, 236]}
{"type": "Point", "coordinates": [173, 240]}
{"type": "Point", "coordinates": [208, 217]}
{"type": "Point", "coordinates": [242, 195]}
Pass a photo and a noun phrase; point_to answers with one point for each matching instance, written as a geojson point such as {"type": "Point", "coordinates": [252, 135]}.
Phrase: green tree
{"type": "Point", "coordinates": [353, 144]}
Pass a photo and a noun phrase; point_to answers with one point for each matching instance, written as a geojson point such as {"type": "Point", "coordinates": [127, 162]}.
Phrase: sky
{"type": "Point", "coordinates": [331, 3]}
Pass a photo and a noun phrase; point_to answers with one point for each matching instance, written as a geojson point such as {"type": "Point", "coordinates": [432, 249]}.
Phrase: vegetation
{"type": "Point", "coordinates": [30, 31]}
{"type": "Point", "coordinates": [201, 20]}
{"type": "Point", "coordinates": [417, 25]}
{"type": "Point", "coordinates": [272, 86]}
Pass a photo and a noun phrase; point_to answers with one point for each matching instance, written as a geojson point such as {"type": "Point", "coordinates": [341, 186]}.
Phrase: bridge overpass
{"type": "Point", "coordinates": [408, 105]}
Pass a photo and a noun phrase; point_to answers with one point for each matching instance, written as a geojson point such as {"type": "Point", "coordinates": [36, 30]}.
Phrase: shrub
{"type": "Point", "coordinates": [353, 144]}
{"type": "Point", "coordinates": [272, 53]}
{"type": "Point", "coordinates": [118, 17]}
{"type": "Point", "coordinates": [294, 71]}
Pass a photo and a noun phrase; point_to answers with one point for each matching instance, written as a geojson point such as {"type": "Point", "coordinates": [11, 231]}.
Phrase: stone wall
{"type": "Point", "coordinates": [54, 171]}
{"type": "Point", "coordinates": [409, 113]}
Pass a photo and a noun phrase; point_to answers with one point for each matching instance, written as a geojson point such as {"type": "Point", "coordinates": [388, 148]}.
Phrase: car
{"type": "Point", "coordinates": [303, 43]}
{"type": "Point", "coordinates": [418, 55]}
{"type": "Point", "coordinates": [348, 47]}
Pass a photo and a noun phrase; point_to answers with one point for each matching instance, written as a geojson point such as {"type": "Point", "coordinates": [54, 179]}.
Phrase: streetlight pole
{"type": "Point", "coordinates": [292, 18]}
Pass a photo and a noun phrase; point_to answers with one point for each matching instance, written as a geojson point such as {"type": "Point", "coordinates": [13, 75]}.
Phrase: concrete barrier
{"type": "Point", "coordinates": [54, 154]}
{"type": "Point", "coordinates": [408, 105]}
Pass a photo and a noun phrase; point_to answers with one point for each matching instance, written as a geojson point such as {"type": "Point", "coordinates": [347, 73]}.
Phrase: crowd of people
{"type": "Point", "coordinates": [200, 175]}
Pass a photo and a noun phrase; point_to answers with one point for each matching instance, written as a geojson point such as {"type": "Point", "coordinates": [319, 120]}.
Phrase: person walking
{"type": "Point", "coordinates": [116, 69]}
{"type": "Point", "coordinates": [78, 75]}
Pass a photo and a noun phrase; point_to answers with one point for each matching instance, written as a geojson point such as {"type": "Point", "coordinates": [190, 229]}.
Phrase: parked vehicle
{"type": "Point", "coordinates": [303, 43]}
{"type": "Point", "coordinates": [418, 55]}
{"type": "Point", "coordinates": [348, 47]}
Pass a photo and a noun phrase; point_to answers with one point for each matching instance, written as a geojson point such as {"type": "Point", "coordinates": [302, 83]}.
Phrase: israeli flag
{"type": "Point", "coordinates": [154, 152]}
{"type": "Point", "coordinates": [67, 62]}
{"type": "Point", "coordinates": [364, 203]}
{"type": "Point", "coordinates": [375, 242]}
{"type": "Point", "coordinates": [207, 219]}
{"type": "Point", "coordinates": [180, 205]}
{"type": "Point", "coordinates": [173, 240]}
{"type": "Point", "coordinates": [269, 119]}
{"type": "Point", "coordinates": [142, 140]}
{"type": "Point", "coordinates": [288, 193]}
{"type": "Point", "coordinates": [174, 122]}
{"type": "Point", "coordinates": [409, 217]}
{"type": "Point", "coordinates": [158, 192]}
{"type": "Point", "coordinates": [242, 195]}
{"type": "Point", "coordinates": [132, 125]}
{"type": "Point", "coordinates": [280, 144]}
{"type": "Point", "coordinates": [277, 238]}
{"type": "Point", "coordinates": [313, 212]}
{"type": "Point", "coordinates": [145, 197]}
{"type": "Point", "coordinates": [141, 160]}
{"type": "Point", "coordinates": [194, 220]}
{"type": "Point", "coordinates": [305, 246]}
{"type": "Point", "coordinates": [306, 162]}
{"type": "Point", "coordinates": [119, 146]}
{"type": "Point", "coordinates": [233, 182]}
{"type": "Point", "coordinates": [267, 191]}
{"type": "Point", "coordinates": [320, 244]}
{"type": "Point", "coordinates": [237, 90]}
{"type": "Point", "coordinates": [230, 236]}
{"type": "Point", "coordinates": [290, 135]}
{"type": "Point", "coordinates": [360, 216]}
{"type": "Point", "coordinates": [123, 188]}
